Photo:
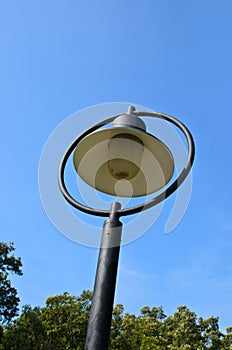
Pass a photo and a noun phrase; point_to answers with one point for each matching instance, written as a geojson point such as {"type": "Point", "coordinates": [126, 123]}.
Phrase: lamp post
{"type": "Point", "coordinates": [125, 154]}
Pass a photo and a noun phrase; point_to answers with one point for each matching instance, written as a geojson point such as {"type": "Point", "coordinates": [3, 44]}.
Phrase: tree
{"type": "Point", "coordinates": [27, 332]}
{"type": "Point", "coordinates": [211, 333]}
{"type": "Point", "coordinates": [65, 319]}
{"type": "Point", "coordinates": [227, 339]}
{"type": "Point", "coordinates": [8, 295]}
{"type": "Point", "coordinates": [62, 323]}
{"type": "Point", "coordinates": [183, 331]}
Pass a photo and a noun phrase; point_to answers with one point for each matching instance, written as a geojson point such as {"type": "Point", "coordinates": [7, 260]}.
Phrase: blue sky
{"type": "Point", "coordinates": [59, 57]}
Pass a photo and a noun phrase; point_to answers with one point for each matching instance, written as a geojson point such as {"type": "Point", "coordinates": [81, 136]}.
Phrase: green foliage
{"type": "Point", "coordinates": [8, 295]}
{"type": "Point", "coordinates": [27, 332]}
{"type": "Point", "coordinates": [183, 330]}
{"type": "Point", "coordinates": [61, 325]}
{"type": "Point", "coordinates": [153, 330]}
{"type": "Point", "coordinates": [210, 332]}
{"type": "Point", "coordinates": [65, 319]}
{"type": "Point", "coordinates": [227, 340]}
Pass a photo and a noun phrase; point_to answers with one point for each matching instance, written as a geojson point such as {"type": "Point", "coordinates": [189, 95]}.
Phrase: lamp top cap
{"type": "Point", "coordinates": [130, 120]}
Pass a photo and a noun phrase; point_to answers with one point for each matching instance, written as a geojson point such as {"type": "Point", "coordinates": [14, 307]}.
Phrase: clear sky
{"type": "Point", "coordinates": [58, 57]}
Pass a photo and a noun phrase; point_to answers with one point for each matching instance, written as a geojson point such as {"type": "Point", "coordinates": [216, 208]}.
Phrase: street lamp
{"type": "Point", "coordinates": [123, 160]}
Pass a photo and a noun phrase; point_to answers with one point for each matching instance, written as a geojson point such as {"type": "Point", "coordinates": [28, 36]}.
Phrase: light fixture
{"type": "Point", "coordinates": [125, 151]}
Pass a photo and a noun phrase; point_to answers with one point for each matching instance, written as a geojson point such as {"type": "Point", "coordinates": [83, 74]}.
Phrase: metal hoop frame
{"type": "Point", "coordinates": [146, 205]}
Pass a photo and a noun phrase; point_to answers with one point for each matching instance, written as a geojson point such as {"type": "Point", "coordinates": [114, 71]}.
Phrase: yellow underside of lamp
{"type": "Point", "coordinates": [91, 161]}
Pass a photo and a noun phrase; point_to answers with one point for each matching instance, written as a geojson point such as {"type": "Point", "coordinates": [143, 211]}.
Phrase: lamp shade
{"type": "Point", "coordinates": [123, 161]}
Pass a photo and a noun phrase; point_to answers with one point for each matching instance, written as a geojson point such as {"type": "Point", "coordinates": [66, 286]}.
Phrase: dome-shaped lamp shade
{"type": "Point", "coordinates": [123, 161]}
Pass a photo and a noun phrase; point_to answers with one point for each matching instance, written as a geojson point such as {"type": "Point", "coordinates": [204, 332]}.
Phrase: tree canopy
{"type": "Point", "coordinates": [9, 300]}
{"type": "Point", "coordinates": [61, 324]}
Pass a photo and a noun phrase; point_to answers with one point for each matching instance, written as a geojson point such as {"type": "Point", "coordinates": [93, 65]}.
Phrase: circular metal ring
{"type": "Point", "coordinates": [146, 205]}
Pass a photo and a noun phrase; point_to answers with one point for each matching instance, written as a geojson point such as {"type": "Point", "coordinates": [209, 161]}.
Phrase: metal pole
{"type": "Point", "coordinates": [98, 331]}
